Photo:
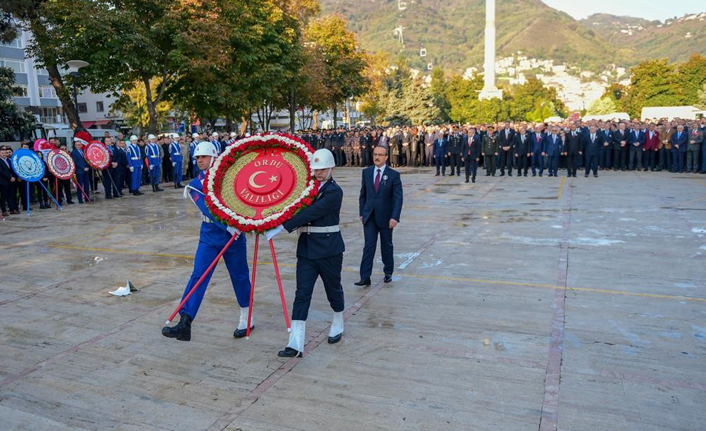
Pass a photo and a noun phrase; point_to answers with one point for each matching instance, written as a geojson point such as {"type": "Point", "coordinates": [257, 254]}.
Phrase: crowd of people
{"type": "Point", "coordinates": [520, 147]}
{"type": "Point", "coordinates": [150, 160]}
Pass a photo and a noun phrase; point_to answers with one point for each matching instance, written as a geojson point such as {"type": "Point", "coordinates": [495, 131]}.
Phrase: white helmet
{"type": "Point", "coordinates": [322, 159]}
{"type": "Point", "coordinates": [214, 134]}
{"type": "Point", "coordinates": [133, 138]}
{"type": "Point", "coordinates": [205, 149]}
{"type": "Point", "coordinates": [233, 134]}
{"type": "Point", "coordinates": [194, 135]}
{"type": "Point", "coordinates": [151, 137]}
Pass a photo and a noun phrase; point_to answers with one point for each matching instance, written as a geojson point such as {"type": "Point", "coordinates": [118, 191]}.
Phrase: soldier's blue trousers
{"type": "Point", "coordinates": [211, 242]}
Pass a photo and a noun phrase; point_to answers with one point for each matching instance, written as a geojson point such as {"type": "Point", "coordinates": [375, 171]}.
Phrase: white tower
{"type": "Point", "coordinates": [490, 91]}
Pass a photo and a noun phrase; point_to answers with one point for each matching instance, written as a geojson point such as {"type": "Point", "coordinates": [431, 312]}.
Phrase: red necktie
{"type": "Point", "coordinates": [377, 181]}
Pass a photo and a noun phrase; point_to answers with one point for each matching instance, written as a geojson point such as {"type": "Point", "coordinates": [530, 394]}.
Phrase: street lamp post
{"type": "Point", "coordinates": [74, 67]}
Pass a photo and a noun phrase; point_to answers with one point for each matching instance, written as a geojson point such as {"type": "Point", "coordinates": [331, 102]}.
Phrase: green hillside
{"type": "Point", "coordinates": [675, 39]}
{"type": "Point", "coordinates": [452, 33]}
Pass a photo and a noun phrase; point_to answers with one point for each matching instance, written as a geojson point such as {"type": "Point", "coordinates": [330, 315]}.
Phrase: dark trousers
{"type": "Point", "coordinates": [8, 200]}
{"type": "Point", "coordinates": [308, 270]}
{"type": "Point", "coordinates": [605, 159]}
{"type": "Point", "coordinates": [119, 178]}
{"type": "Point", "coordinates": [455, 162]}
{"type": "Point", "coordinates": [651, 159]}
{"type": "Point", "coordinates": [521, 164]}
{"type": "Point", "coordinates": [591, 163]}
{"type": "Point", "coordinates": [109, 184]}
{"type": "Point", "coordinates": [665, 159]}
{"type": "Point", "coordinates": [490, 162]}
{"type": "Point", "coordinates": [572, 164]}
{"type": "Point", "coordinates": [82, 178]}
{"type": "Point", "coordinates": [537, 162]}
{"type": "Point", "coordinates": [505, 162]}
{"type": "Point", "coordinates": [692, 158]}
{"type": "Point", "coordinates": [635, 160]}
{"type": "Point", "coordinates": [407, 152]}
{"type": "Point", "coordinates": [64, 191]}
{"type": "Point", "coordinates": [677, 160]}
{"type": "Point", "coordinates": [365, 160]}
{"type": "Point", "coordinates": [371, 231]}
{"type": "Point", "coordinates": [338, 155]}
{"type": "Point", "coordinates": [440, 162]}
{"type": "Point", "coordinates": [32, 194]}
{"type": "Point", "coordinates": [471, 167]}
{"type": "Point", "coordinates": [553, 164]}
{"type": "Point", "coordinates": [619, 158]}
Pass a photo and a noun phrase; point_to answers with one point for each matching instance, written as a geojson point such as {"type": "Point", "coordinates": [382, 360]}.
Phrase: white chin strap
{"type": "Point", "coordinates": [328, 175]}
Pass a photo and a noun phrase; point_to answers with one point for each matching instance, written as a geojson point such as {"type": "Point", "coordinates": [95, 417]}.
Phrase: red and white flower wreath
{"type": "Point", "coordinates": [214, 180]}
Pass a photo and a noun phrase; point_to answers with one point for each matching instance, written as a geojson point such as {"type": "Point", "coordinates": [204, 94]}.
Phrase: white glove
{"type": "Point", "coordinates": [231, 230]}
{"type": "Point", "coordinates": [173, 164]}
{"type": "Point", "coordinates": [151, 167]}
{"type": "Point", "coordinates": [273, 232]}
{"type": "Point", "coordinates": [132, 169]}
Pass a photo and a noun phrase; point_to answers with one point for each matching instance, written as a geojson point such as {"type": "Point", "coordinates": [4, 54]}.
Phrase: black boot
{"type": "Point", "coordinates": [158, 188]}
{"type": "Point", "coordinates": [473, 178]}
{"type": "Point", "coordinates": [154, 188]}
{"type": "Point", "coordinates": [181, 331]}
{"type": "Point", "coordinates": [179, 186]}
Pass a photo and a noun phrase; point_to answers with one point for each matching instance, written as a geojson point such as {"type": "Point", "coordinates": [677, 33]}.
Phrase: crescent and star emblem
{"type": "Point", "coordinates": [252, 180]}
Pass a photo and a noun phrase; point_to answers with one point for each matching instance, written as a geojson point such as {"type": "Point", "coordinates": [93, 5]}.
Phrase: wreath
{"type": "Point", "coordinates": [260, 182]}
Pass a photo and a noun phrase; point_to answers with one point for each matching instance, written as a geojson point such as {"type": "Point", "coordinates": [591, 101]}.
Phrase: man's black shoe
{"type": "Point", "coordinates": [240, 333]}
{"type": "Point", "coordinates": [595, 175]}
{"type": "Point", "coordinates": [288, 352]}
{"type": "Point", "coordinates": [365, 282]}
{"type": "Point", "coordinates": [336, 339]}
{"type": "Point", "coordinates": [181, 331]}
{"type": "Point", "coordinates": [387, 279]}
{"type": "Point", "coordinates": [158, 188]}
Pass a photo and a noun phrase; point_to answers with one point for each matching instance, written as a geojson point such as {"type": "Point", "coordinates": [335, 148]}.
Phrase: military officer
{"type": "Point", "coordinates": [135, 165]}
{"type": "Point", "coordinates": [490, 151]}
{"type": "Point", "coordinates": [319, 254]}
{"type": "Point", "coordinates": [455, 146]}
{"type": "Point", "coordinates": [154, 162]}
{"type": "Point", "coordinates": [212, 238]}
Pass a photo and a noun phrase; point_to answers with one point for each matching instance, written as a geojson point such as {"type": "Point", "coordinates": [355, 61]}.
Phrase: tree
{"type": "Point", "coordinates": [532, 99]}
{"type": "Point", "coordinates": [702, 97]}
{"type": "Point", "coordinates": [344, 62]}
{"type": "Point", "coordinates": [419, 104]}
{"type": "Point", "coordinates": [133, 104]}
{"type": "Point", "coordinates": [604, 105]}
{"type": "Point", "coordinates": [46, 41]}
{"type": "Point", "coordinates": [691, 76]}
{"type": "Point", "coordinates": [439, 89]}
{"type": "Point", "coordinates": [653, 83]}
{"type": "Point", "coordinates": [375, 72]}
{"type": "Point", "coordinates": [14, 123]}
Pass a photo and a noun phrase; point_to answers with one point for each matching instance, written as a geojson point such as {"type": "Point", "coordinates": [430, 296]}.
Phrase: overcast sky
{"type": "Point", "coordinates": [648, 9]}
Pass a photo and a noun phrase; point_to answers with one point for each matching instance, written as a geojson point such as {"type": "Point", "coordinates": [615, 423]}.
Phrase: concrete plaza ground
{"type": "Point", "coordinates": [517, 304]}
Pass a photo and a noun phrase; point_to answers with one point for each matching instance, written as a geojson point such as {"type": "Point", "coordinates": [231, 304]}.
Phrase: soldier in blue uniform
{"type": "Point", "coordinates": [135, 166]}
{"type": "Point", "coordinates": [319, 253]}
{"type": "Point", "coordinates": [154, 162]}
{"type": "Point", "coordinates": [177, 161]}
{"type": "Point", "coordinates": [213, 237]}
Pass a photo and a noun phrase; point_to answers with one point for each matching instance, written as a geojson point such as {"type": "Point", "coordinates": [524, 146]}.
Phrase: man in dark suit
{"type": "Point", "coordinates": [8, 200]}
{"type": "Point", "coordinates": [620, 147]}
{"type": "Point", "coordinates": [680, 140]}
{"type": "Point", "coordinates": [440, 149]}
{"type": "Point", "coordinates": [592, 148]}
{"type": "Point", "coordinates": [552, 148]}
{"type": "Point", "coordinates": [572, 151]}
{"type": "Point", "coordinates": [82, 169]}
{"type": "Point", "coordinates": [319, 254]}
{"type": "Point", "coordinates": [522, 150]}
{"type": "Point", "coordinates": [636, 141]}
{"type": "Point", "coordinates": [506, 140]}
{"type": "Point", "coordinates": [379, 207]}
{"type": "Point", "coordinates": [471, 153]}
{"type": "Point", "coordinates": [122, 168]}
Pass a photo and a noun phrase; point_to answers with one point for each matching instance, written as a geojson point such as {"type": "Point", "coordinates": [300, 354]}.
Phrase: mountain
{"type": "Point", "coordinates": [452, 33]}
{"type": "Point", "coordinates": [675, 38]}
